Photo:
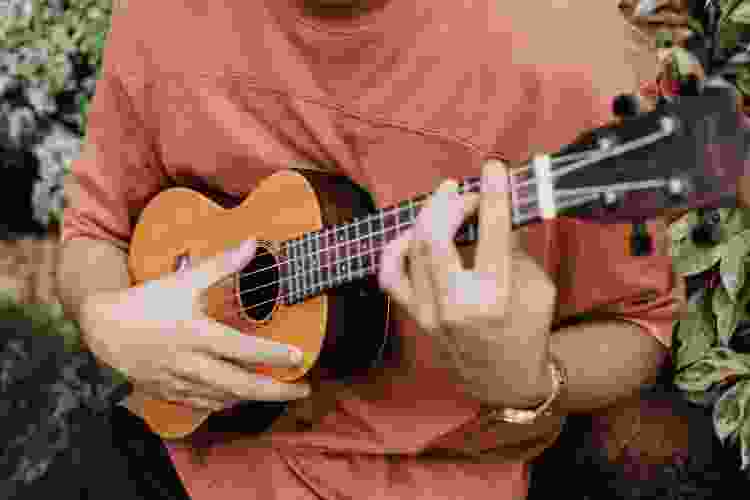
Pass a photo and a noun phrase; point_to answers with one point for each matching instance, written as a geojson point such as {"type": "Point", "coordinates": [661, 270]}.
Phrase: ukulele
{"type": "Point", "coordinates": [313, 281]}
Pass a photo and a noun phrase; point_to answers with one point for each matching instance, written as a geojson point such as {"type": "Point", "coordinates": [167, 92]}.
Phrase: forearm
{"type": "Point", "coordinates": [604, 361]}
{"type": "Point", "coordinates": [86, 267]}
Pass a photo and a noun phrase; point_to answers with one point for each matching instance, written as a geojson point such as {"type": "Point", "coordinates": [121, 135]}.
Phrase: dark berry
{"type": "Point", "coordinates": [706, 234]}
{"type": "Point", "coordinates": [694, 283]}
{"type": "Point", "coordinates": [740, 343]}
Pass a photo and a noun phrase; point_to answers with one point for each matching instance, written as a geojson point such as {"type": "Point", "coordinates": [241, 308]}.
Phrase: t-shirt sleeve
{"type": "Point", "coordinates": [117, 172]}
{"type": "Point", "coordinates": [591, 262]}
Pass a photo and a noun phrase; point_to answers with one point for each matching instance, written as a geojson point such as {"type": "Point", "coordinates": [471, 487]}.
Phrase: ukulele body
{"type": "Point", "coordinates": [181, 227]}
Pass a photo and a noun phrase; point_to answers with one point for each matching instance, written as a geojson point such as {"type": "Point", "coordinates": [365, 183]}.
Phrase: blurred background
{"type": "Point", "coordinates": [50, 54]}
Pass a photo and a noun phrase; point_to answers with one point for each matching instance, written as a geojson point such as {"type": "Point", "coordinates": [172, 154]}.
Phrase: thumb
{"type": "Point", "coordinates": [214, 269]}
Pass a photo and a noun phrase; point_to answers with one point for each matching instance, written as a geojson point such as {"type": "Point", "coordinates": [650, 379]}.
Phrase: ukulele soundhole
{"type": "Point", "coordinates": [258, 286]}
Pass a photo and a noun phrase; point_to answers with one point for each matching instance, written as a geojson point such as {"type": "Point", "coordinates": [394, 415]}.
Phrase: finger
{"type": "Point", "coordinates": [423, 305]}
{"type": "Point", "coordinates": [197, 402]}
{"type": "Point", "coordinates": [241, 384]}
{"type": "Point", "coordinates": [227, 343]}
{"type": "Point", "coordinates": [437, 226]}
{"type": "Point", "coordinates": [392, 276]}
{"type": "Point", "coordinates": [495, 242]}
{"type": "Point", "coordinates": [191, 386]}
{"type": "Point", "coordinates": [214, 269]}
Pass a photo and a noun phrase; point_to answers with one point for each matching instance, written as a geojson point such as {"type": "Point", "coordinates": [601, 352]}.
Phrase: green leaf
{"type": "Point", "coordinates": [684, 60]}
{"type": "Point", "coordinates": [732, 266]}
{"type": "Point", "coordinates": [695, 333]}
{"type": "Point", "coordinates": [695, 25]}
{"type": "Point", "coordinates": [727, 315]}
{"type": "Point", "coordinates": [745, 444]}
{"type": "Point", "coordinates": [727, 7]}
{"type": "Point", "coordinates": [680, 229]}
{"type": "Point", "coordinates": [736, 219]}
{"type": "Point", "coordinates": [730, 410]}
{"type": "Point", "coordinates": [743, 79]}
{"type": "Point", "coordinates": [664, 39]}
{"type": "Point", "coordinates": [729, 35]}
{"type": "Point", "coordinates": [689, 258]}
{"type": "Point", "coordinates": [741, 14]}
{"type": "Point", "coordinates": [715, 367]}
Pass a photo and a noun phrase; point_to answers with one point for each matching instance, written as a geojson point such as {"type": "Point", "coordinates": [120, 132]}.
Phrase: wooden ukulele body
{"type": "Point", "coordinates": [181, 227]}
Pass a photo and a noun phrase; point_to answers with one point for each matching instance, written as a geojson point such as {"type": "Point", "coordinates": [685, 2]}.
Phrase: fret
{"type": "Point", "coordinates": [324, 259]}
{"type": "Point", "coordinates": [284, 272]}
{"type": "Point", "coordinates": [365, 244]}
{"type": "Point", "coordinates": [333, 255]}
{"type": "Point", "coordinates": [379, 237]}
{"type": "Point", "coordinates": [340, 262]}
{"type": "Point", "coordinates": [300, 270]}
{"type": "Point", "coordinates": [306, 264]}
{"type": "Point", "coordinates": [293, 267]}
{"type": "Point", "coordinates": [390, 226]}
{"type": "Point", "coordinates": [353, 260]}
{"type": "Point", "coordinates": [315, 260]}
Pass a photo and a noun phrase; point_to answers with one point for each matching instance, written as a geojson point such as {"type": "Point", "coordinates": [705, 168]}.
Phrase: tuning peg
{"type": "Point", "coordinates": [626, 106]}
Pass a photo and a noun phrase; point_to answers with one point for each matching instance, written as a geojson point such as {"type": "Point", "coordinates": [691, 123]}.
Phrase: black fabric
{"type": "Point", "coordinates": [147, 460]}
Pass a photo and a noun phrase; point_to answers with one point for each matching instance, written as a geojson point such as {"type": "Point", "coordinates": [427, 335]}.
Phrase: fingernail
{"type": "Point", "coordinates": [240, 254]}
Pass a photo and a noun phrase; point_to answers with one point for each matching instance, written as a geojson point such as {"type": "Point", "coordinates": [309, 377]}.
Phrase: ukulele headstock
{"type": "Point", "coordinates": [686, 154]}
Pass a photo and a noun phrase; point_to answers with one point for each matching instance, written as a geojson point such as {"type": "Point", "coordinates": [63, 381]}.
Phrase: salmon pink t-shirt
{"type": "Point", "coordinates": [218, 95]}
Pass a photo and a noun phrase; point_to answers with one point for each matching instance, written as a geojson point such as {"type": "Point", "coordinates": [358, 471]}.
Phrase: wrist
{"type": "Point", "coordinates": [527, 391]}
{"type": "Point", "coordinates": [524, 411]}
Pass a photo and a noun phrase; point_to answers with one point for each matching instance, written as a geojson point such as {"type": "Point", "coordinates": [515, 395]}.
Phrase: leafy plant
{"type": "Point", "coordinates": [711, 348]}
{"type": "Point", "coordinates": [50, 36]}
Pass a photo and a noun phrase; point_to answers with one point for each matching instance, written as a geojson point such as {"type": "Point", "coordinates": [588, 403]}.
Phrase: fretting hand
{"type": "Point", "coordinates": [491, 322]}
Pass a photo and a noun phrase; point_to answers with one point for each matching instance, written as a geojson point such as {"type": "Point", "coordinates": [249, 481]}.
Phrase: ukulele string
{"type": "Point", "coordinates": [515, 182]}
{"type": "Point", "coordinates": [586, 157]}
{"type": "Point", "coordinates": [398, 227]}
{"type": "Point", "coordinates": [572, 164]}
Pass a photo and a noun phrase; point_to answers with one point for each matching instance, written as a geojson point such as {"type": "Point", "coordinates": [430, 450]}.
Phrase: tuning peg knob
{"type": "Point", "coordinates": [626, 106]}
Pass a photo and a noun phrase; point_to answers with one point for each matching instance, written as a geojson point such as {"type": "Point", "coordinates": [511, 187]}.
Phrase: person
{"type": "Point", "coordinates": [399, 96]}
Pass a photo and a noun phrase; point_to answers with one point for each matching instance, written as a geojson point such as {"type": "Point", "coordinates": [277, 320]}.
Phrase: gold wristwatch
{"type": "Point", "coordinates": [516, 416]}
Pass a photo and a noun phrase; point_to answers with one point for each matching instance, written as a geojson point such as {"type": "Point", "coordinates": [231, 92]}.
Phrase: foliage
{"type": "Point", "coordinates": [50, 58]}
{"type": "Point", "coordinates": [712, 364]}
{"type": "Point", "coordinates": [53, 35]}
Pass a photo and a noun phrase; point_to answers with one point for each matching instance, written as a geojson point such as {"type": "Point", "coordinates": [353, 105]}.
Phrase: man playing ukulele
{"type": "Point", "coordinates": [397, 95]}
